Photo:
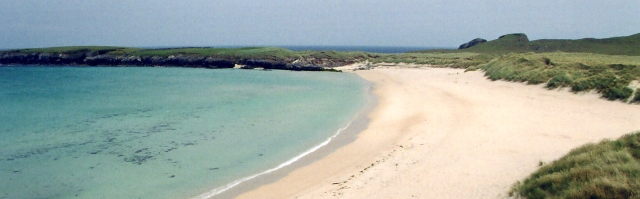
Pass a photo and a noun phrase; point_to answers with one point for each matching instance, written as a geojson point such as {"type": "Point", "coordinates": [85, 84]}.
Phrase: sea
{"type": "Point", "coordinates": [153, 132]}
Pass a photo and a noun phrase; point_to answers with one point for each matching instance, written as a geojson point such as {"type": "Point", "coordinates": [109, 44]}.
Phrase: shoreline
{"type": "Point", "coordinates": [444, 133]}
{"type": "Point", "coordinates": [341, 138]}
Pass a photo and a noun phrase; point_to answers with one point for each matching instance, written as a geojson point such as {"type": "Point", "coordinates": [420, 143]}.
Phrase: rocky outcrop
{"type": "Point", "coordinates": [472, 43]}
{"type": "Point", "coordinates": [181, 60]}
{"type": "Point", "coordinates": [40, 58]}
{"type": "Point", "coordinates": [303, 64]}
{"type": "Point", "coordinates": [520, 37]}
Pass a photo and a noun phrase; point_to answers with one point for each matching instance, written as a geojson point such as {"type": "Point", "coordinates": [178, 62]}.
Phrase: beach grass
{"type": "Point", "coordinates": [443, 59]}
{"type": "Point", "coordinates": [609, 75]}
{"type": "Point", "coordinates": [636, 99]}
{"type": "Point", "coordinates": [609, 169]}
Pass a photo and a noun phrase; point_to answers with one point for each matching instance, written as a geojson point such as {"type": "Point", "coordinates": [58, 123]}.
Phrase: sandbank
{"type": "Point", "coordinates": [446, 133]}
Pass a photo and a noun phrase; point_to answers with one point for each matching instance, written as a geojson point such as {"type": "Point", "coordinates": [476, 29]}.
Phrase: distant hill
{"type": "Point", "coordinates": [249, 57]}
{"type": "Point", "coordinates": [519, 42]}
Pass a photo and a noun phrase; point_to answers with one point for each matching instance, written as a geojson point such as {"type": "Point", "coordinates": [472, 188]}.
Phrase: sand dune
{"type": "Point", "coordinates": [444, 133]}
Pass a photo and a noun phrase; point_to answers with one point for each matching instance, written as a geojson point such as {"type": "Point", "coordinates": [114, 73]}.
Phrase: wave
{"type": "Point", "coordinates": [222, 189]}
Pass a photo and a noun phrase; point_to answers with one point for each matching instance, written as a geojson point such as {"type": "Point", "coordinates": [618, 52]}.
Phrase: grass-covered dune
{"type": "Point", "coordinates": [610, 75]}
{"type": "Point", "coordinates": [609, 66]}
{"type": "Point", "coordinates": [609, 169]}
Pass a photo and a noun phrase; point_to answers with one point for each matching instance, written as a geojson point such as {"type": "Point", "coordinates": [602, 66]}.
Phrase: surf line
{"type": "Point", "coordinates": [219, 190]}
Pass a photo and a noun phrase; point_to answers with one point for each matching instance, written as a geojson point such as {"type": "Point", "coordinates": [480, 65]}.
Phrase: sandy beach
{"type": "Point", "coordinates": [444, 133]}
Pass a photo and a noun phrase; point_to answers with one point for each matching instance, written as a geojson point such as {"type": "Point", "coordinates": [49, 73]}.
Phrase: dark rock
{"type": "Point", "coordinates": [266, 64]}
{"type": "Point", "coordinates": [131, 61]}
{"type": "Point", "coordinates": [514, 34]}
{"type": "Point", "coordinates": [472, 43]}
{"type": "Point", "coordinates": [211, 62]}
{"type": "Point", "coordinates": [515, 37]}
{"type": "Point", "coordinates": [155, 61]}
{"type": "Point", "coordinates": [108, 60]}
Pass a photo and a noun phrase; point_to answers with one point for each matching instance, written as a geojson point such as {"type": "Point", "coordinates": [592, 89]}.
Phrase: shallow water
{"type": "Point", "coordinates": [159, 132]}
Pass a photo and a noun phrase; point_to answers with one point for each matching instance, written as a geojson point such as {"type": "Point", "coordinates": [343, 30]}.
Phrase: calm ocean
{"type": "Point", "coordinates": [126, 132]}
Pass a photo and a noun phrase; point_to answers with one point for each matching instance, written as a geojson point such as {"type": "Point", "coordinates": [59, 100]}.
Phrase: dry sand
{"type": "Point", "coordinates": [444, 133]}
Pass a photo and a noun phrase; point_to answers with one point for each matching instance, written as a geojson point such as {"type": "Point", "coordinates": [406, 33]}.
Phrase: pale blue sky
{"type": "Point", "coordinates": [424, 23]}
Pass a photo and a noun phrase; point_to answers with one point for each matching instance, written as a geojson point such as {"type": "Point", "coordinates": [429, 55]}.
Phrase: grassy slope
{"type": "Point", "coordinates": [605, 65]}
{"type": "Point", "coordinates": [449, 59]}
{"type": "Point", "coordinates": [628, 45]}
{"type": "Point", "coordinates": [511, 43]}
{"type": "Point", "coordinates": [71, 49]}
{"type": "Point", "coordinates": [253, 52]}
{"type": "Point", "coordinates": [608, 74]}
{"type": "Point", "coordinates": [609, 169]}
{"type": "Point", "coordinates": [611, 46]}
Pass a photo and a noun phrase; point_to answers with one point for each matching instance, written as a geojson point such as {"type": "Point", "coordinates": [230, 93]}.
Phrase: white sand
{"type": "Point", "coordinates": [444, 133]}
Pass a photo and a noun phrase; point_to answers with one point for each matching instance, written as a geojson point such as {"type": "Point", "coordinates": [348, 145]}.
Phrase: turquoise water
{"type": "Point", "coordinates": [70, 132]}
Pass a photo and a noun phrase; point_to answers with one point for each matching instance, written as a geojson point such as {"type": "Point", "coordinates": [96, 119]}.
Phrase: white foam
{"type": "Point", "coordinates": [219, 190]}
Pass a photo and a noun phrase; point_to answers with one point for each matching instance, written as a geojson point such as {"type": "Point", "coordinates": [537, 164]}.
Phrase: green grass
{"type": "Point", "coordinates": [511, 43]}
{"type": "Point", "coordinates": [253, 52]}
{"type": "Point", "coordinates": [636, 99]}
{"type": "Point", "coordinates": [266, 53]}
{"type": "Point", "coordinates": [269, 53]}
{"type": "Point", "coordinates": [448, 59]}
{"type": "Point", "coordinates": [609, 169]}
{"type": "Point", "coordinates": [609, 75]}
{"type": "Point", "coordinates": [71, 49]}
{"type": "Point", "coordinates": [518, 43]}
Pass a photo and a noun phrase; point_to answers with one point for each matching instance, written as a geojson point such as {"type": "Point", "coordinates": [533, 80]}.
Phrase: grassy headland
{"type": "Point", "coordinates": [251, 57]}
{"type": "Point", "coordinates": [609, 169]}
{"type": "Point", "coordinates": [235, 53]}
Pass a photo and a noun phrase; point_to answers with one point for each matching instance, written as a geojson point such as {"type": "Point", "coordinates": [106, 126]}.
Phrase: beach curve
{"type": "Point", "coordinates": [444, 133]}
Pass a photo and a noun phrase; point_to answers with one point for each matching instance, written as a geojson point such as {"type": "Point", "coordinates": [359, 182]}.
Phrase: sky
{"type": "Point", "coordinates": [418, 23]}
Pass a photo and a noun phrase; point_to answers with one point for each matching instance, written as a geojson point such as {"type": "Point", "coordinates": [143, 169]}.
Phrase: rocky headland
{"type": "Point", "coordinates": [105, 58]}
